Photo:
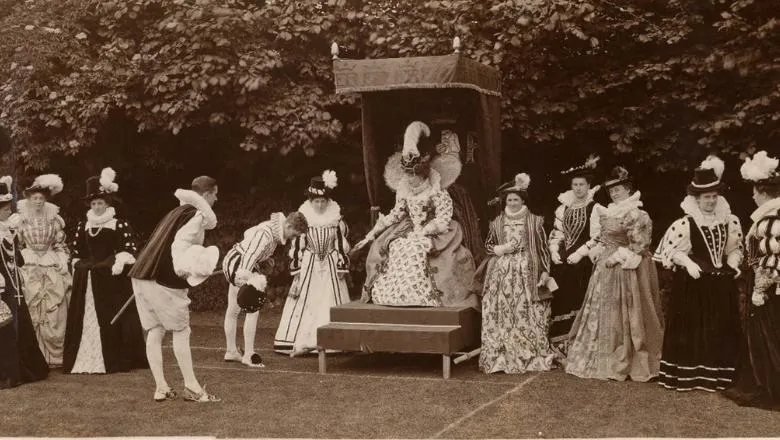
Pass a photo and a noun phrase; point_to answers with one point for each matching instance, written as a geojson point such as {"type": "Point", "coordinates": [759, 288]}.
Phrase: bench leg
{"type": "Point", "coordinates": [446, 364]}
{"type": "Point", "coordinates": [323, 368]}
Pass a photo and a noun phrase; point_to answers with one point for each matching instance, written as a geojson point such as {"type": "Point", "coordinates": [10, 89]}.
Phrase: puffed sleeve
{"type": "Point", "coordinates": [676, 240]}
{"type": "Point", "coordinates": [557, 235]}
{"type": "Point", "coordinates": [639, 229]}
{"type": "Point", "coordinates": [60, 244]}
{"type": "Point", "coordinates": [342, 246]}
{"type": "Point", "coordinates": [394, 216]}
{"type": "Point", "coordinates": [182, 242]}
{"type": "Point", "coordinates": [77, 245]}
{"type": "Point", "coordinates": [735, 248]}
{"type": "Point", "coordinates": [442, 204]}
{"type": "Point", "coordinates": [126, 247]}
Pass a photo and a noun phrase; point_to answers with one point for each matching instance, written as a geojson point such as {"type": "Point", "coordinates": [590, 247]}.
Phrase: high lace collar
{"type": "Point", "coordinates": [719, 216]}
{"type": "Point", "coordinates": [189, 197]}
{"type": "Point", "coordinates": [520, 213]}
{"type": "Point", "coordinates": [569, 200]}
{"type": "Point", "coordinates": [99, 220]}
{"type": "Point", "coordinates": [331, 216]}
{"type": "Point", "coordinates": [430, 185]}
{"type": "Point", "coordinates": [619, 209]}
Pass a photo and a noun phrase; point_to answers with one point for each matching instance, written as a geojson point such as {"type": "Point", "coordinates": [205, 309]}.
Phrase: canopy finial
{"type": "Point", "coordinates": [456, 44]}
{"type": "Point", "coordinates": [334, 50]}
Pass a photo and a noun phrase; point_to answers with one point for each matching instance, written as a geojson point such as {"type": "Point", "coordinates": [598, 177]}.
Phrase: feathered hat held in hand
{"type": "Point", "coordinates": [46, 184]}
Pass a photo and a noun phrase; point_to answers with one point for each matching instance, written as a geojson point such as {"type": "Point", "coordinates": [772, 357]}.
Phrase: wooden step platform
{"type": "Point", "coordinates": [371, 328]}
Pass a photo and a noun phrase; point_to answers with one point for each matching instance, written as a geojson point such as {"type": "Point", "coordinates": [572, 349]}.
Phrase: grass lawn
{"type": "Point", "coordinates": [364, 396]}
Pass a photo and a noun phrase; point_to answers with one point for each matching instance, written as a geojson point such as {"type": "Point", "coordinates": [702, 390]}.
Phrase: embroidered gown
{"type": "Point", "coordinates": [571, 231]}
{"type": "Point", "coordinates": [92, 344]}
{"type": "Point", "coordinates": [319, 261]}
{"type": "Point", "coordinates": [21, 360]}
{"type": "Point", "coordinates": [419, 259]}
{"type": "Point", "coordinates": [702, 323]}
{"type": "Point", "coordinates": [758, 370]}
{"type": "Point", "coordinates": [46, 279]}
{"type": "Point", "coordinates": [618, 333]}
{"type": "Point", "coordinates": [515, 313]}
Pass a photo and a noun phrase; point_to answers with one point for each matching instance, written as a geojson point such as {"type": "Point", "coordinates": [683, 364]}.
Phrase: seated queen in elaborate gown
{"type": "Point", "coordinates": [417, 257]}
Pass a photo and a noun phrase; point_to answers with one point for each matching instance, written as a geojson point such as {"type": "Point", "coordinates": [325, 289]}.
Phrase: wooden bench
{"type": "Point", "coordinates": [371, 328]}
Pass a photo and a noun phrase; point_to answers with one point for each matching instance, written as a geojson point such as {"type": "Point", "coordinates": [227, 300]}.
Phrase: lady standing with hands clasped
{"type": "Point", "coordinates": [516, 293]}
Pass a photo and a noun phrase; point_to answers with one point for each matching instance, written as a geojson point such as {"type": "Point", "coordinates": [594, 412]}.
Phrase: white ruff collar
{"type": "Point", "coordinates": [49, 209]}
{"type": "Point", "coordinates": [277, 226]}
{"type": "Point", "coordinates": [620, 209]}
{"type": "Point", "coordinates": [330, 217]}
{"type": "Point", "coordinates": [721, 214]}
{"type": "Point", "coordinates": [189, 197]}
{"type": "Point", "coordinates": [568, 199]}
{"type": "Point", "coordinates": [97, 220]}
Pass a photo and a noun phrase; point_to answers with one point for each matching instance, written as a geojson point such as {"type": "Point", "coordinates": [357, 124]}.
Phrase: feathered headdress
{"type": "Point", "coordinates": [410, 153]}
{"type": "Point", "coordinates": [322, 186]}
{"type": "Point", "coordinates": [519, 185]}
{"type": "Point", "coordinates": [586, 169]}
{"type": "Point", "coordinates": [761, 169]}
{"type": "Point", "coordinates": [707, 176]}
{"type": "Point", "coordinates": [107, 184]}
{"type": "Point", "coordinates": [618, 175]}
{"type": "Point", "coordinates": [6, 195]}
{"type": "Point", "coordinates": [49, 183]}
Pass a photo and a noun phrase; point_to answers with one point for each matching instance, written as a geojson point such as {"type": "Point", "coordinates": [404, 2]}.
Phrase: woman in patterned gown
{"type": "Point", "coordinates": [618, 333]}
{"type": "Point", "coordinates": [702, 323]}
{"type": "Point", "coordinates": [102, 247]}
{"type": "Point", "coordinates": [418, 258]}
{"type": "Point", "coordinates": [21, 360]}
{"type": "Point", "coordinates": [319, 263]}
{"type": "Point", "coordinates": [516, 294]}
{"type": "Point", "coordinates": [569, 251]}
{"type": "Point", "coordinates": [45, 272]}
{"type": "Point", "coordinates": [758, 369]}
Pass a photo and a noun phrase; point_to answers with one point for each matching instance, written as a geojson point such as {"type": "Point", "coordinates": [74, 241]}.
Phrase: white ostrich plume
{"type": "Point", "coordinates": [107, 183]}
{"type": "Point", "coordinates": [52, 182]}
{"type": "Point", "coordinates": [522, 181]}
{"type": "Point", "coordinates": [330, 178]}
{"type": "Point", "coordinates": [412, 137]}
{"type": "Point", "coordinates": [715, 164]}
{"type": "Point", "coordinates": [759, 167]}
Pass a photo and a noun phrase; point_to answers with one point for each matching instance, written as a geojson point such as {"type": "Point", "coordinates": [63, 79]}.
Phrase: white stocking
{"type": "Point", "coordinates": [154, 339]}
{"type": "Point", "coordinates": [231, 320]}
{"type": "Point", "coordinates": [181, 348]}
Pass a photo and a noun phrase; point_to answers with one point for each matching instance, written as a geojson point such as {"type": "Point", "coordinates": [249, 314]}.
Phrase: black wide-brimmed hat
{"type": "Point", "coordinates": [618, 176]}
{"type": "Point", "coordinates": [322, 186]}
{"type": "Point", "coordinates": [250, 299]}
{"type": "Point", "coordinates": [706, 178]}
{"type": "Point", "coordinates": [586, 170]}
{"type": "Point", "coordinates": [6, 195]}
{"type": "Point", "coordinates": [102, 187]}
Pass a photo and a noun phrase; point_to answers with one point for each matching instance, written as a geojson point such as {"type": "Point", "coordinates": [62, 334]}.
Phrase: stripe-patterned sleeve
{"type": "Point", "coordinates": [259, 248]}
{"type": "Point", "coordinates": [557, 235]}
{"type": "Point", "coordinates": [541, 237]}
{"type": "Point", "coordinates": [297, 247]}
{"type": "Point", "coordinates": [60, 244]}
{"type": "Point", "coordinates": [342, 246]}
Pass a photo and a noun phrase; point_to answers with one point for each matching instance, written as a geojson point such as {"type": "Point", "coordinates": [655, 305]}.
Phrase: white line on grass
{"type": "Point", "coordinates": [361, 376]}
{"type": "Point", "coordinates": [471, 414]}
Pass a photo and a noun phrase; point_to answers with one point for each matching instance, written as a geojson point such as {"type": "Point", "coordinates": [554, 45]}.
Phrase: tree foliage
{"type": "Point", "coordinates": [663, 80]}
